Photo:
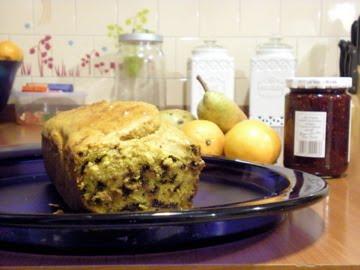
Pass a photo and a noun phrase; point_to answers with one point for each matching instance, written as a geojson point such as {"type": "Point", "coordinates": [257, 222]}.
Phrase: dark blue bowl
{"type": "Point", "coordinates": [8, 71]}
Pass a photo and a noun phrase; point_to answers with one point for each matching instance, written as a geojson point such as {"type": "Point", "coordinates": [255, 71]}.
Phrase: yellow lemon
{"type": "Point", "coordinates": [206, 134]}
{"type": "Point", "coordinates": [10, 51]}
{"type": "Point", "coordinates": [254, 141]}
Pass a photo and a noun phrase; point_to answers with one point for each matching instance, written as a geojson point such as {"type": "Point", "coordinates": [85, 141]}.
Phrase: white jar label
{"type": "Point", "coordinates": [310, 134]}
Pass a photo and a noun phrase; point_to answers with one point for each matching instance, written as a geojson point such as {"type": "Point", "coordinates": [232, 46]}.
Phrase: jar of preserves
{"type": "Point", "coordinates": [317, 123]}
{"type": "Point", "coordinates": [140, 69]}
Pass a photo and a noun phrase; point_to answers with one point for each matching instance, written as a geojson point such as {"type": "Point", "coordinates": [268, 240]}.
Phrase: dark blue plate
{"type": "Point", "coordinates": [235, 200]}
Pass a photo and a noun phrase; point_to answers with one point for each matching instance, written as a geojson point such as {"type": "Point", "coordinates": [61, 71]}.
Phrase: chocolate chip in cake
{"type": "Point", "coordinates": [97, 200]}
{"type": "Point", "coordinates": [177, 187]}
{"type": "Point", "coordinates": [83, 166]}
{"type": "Point", "coordinates": [126, 191]}
{"type": "Point", "coordinates": [131, 207]}
{"type": "Point", "coordinates": [173, 158]}
{"type": "Point", "coordinates": [100, 186]}
{"type": "Point", "coordinates": [99, 159]}
{"type": "Point", "coordinates": [194, 149]}
{"type": "Point", "coordinates": [156, 203]}
{"type": "Point", "coordinates": [155, 190]}
{"type": "Point", "coordinates": [159, 204]}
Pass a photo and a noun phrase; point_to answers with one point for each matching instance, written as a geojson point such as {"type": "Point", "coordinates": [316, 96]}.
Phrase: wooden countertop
{"type": "Point", "coordinates": [325, 235]}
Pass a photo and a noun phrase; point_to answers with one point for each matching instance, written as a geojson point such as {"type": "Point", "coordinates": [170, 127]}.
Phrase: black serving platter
{"type": "Point", "coordinates": [235, 200]}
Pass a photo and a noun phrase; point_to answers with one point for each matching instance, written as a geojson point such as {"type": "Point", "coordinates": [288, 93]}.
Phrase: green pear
{"type": "Point", "coordinates": [176, 117]}
{"type": "Point", "coordinates": [218, 108]}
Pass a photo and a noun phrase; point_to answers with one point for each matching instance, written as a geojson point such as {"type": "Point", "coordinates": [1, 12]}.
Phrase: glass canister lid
{"type": "Point", "coordinates": [139, 37]}
{"type": "Point", "coordinates": [209, 46]}
{"type": "Point", "coordinates": [319, 82]}
{"type": "Point", "coordinates": [274, 45]}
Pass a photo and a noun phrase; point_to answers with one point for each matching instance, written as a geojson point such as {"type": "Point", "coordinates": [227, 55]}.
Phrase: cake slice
{"type": "Point", "coordinates": [111, 157]}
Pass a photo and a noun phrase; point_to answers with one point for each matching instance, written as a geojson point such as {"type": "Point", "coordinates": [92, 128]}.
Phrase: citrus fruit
{"type": "Point", "coordinates": [206, 134]}
{"type": "Point", "coordinates": [253, 140]}
{"type": "Point", "coordinates": [10, 51]}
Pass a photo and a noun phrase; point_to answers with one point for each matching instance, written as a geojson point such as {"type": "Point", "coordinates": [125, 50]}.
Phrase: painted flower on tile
{"type": "Point", "coordinates": [86, 60]}
{"type": "Point", "coordinates": [25, 69]}
{"type": "Point", "coordinates": [43, 51]}
{"type": "Point", "coordinates": [62, 71]}
{"type": "Point", "coordinates": [89, 62]}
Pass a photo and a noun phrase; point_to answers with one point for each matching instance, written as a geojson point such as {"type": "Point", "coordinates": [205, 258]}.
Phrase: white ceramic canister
{"type": "Point", "coordinates": [273, 63]}
{"type": "Point", "coordinates": [216, 67]}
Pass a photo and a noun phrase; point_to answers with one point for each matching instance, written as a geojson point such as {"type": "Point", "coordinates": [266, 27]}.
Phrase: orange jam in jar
{"type": "Point", "coordinates": [317, 123]}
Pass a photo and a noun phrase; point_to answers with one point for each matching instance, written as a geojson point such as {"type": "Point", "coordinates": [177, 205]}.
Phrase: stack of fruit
{"type": "Point", "coordinates": [223, 129]}
{"type": "Point", "coordinates": [10, 59]}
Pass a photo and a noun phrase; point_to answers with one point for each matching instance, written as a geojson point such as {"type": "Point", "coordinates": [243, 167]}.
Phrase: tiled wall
{"type": "Point", "coordinates": [66, 41]}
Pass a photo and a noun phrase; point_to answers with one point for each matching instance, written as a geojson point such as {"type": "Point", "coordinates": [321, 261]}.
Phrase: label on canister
{"type": "Point", "coordinates": [310, 134]}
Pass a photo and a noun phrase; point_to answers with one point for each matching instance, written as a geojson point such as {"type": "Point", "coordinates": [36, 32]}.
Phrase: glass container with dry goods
{"type": "Point", "coordinates": [140, 69]}
{"type": "Point", "coordinates": [317, 124]}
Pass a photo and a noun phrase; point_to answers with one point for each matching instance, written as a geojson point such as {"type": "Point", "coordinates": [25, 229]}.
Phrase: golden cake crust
{"type": "Point", "coordinates": [107, 122]}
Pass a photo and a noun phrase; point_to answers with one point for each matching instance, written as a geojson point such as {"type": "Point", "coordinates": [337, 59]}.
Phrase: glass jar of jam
{"type": "Point", "coordinates": [317, 123]}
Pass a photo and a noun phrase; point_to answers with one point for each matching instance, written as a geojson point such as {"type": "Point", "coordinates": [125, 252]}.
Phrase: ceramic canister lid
{"type": "Point", "coordinates": [209, 47]}
{"type": "Point", "coordinates": [274, 45]}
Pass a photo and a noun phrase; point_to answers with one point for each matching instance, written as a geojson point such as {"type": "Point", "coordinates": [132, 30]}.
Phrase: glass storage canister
{"type": "Point", "coordinates": [317, 125]}
{"type": "Point", "coordinates": [140, 69]}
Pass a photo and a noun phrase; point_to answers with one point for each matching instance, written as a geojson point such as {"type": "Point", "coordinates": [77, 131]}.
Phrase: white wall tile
{"type": "Point", "coordinates": [105, 62]}
{"type": "Point", "coordinates": [54, 17]}
{"type": "Point", "coordinates": [97, 89]}
{"type": "Point", "coordinates": [4, 37]}
{"type": "Point", "coordinates": [242, 91]}
{"type": "Point", "coordinates": [213, 21]}
{"type": "Point", "coordinates": [16, 17]}
{"type": "Point", "coordinates": [93, 16]}
{"type": "Point", "coordinates": [128, 9]}
{"type": "Point", "coordinates": [68, 54]}
{"type": "Point", "coordinates": [170, 56]}
{"type": "Point", "coordinates": [53, 80]}
{"type": "Point", "coordinates": [317, 57]}
{"type": "Point", "coordinates": [179, 18]}
{"type": "Point", "coordinates": [175, 92]}
{"type": "Point", "coordinates": [242, 49]}
{"type": "Point", "coordinates": [338, 16]}
{"type": "Point", "coordinates": [184, 47]}
{"type": "Point", "coordinates": [37, 54]}
{"type": "Point", "coordinates": [265, 22]}
{"type": "Point", "coordinates": [300, 18]}
{"type": "Point", "coordinates": [331, 62]}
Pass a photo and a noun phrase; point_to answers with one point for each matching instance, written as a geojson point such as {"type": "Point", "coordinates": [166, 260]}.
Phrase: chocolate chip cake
{"type": "Point", "coordinates": [112, 157]}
